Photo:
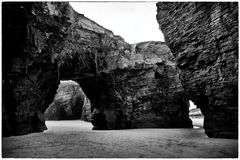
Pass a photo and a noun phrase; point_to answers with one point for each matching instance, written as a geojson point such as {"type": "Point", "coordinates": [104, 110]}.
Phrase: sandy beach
{"type": "Point", "coordinates": [76, 139]}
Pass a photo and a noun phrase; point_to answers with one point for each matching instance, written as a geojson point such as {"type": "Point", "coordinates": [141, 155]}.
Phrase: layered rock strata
{"type": "Point", "coordinates": [129, 86]}
{"type": "Point", "coordinates": [204, 39]}
{"type": "Point", "coordinates": [68, 103]}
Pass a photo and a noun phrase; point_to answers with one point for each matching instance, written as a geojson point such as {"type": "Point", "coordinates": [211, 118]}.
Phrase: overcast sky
{"type": "Point", "coordinates": [134, 21]}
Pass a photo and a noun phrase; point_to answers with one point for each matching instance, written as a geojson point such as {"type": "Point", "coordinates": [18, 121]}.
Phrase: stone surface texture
{"type": "Point", "coordinates": [129, 86]}
{"type": "Point", "coordinates": [142, 91]}
{"type": "Point", "coordinates": [86, 111]}
{"type": "Point", "coordinates": [204, 39]}
{"type": "Point", "coordinates": [68, 102]}
{"type": "Point", "coordinates": [29, 77]}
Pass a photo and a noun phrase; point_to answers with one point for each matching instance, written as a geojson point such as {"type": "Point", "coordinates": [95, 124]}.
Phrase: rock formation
{"type": "Point", "coordinates": [142, 91]}
{"type": "Point", "coordinates": [195, 113]}
{"type": "Point", "coordinates": [129, 86]}
{"type": "Point", "coordinates": [29, 77]}
{"type": "Point", "coordinates": [86, 111]}
{"type": "Point", "coordinates": [204, 39]}
{"type": "Point", "coordinates": [68, 102]}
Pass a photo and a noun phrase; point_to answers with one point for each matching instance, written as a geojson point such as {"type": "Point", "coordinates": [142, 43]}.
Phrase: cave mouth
{"type": "Point", "coordinates": [196, 116]}
{"type": "Point", "coordinates": [70, 103]}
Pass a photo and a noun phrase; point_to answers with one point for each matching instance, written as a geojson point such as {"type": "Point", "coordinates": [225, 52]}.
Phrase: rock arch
{"type": "Point", "coordinates": [129, 86]}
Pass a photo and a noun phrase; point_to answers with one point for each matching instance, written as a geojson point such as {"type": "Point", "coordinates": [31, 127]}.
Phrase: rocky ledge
{"type": "Point", "coordinates": [204, 39]}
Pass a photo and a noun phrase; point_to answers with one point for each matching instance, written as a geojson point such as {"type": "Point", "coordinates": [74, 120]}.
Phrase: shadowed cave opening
{"type": "Point", "coordinates": [70, 103]}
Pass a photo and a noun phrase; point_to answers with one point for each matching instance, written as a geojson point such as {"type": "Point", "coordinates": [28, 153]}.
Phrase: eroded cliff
{"type": "Point", "coordinates": [129, 86]}
{"type": "Point", "coordinates": [204, 39]}
{"type": "Point", "coordinates": [142, 91]}
{"type": "Point", "coordinates": [29, 77]}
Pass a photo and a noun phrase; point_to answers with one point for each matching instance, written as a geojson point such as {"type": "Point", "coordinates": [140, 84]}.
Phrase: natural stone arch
{"type": "Point", "coordinates": [129, 86]}
{"type": "Point", "coordinates": [143, 90]}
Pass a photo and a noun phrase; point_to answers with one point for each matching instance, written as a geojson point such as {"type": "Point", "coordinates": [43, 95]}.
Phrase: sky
{"type": "Point", "coordinates": [134, 21]}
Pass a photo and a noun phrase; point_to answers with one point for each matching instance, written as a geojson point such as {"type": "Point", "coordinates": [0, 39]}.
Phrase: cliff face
{"type": "Point", "coordinates": [68, 102]}
{"type": "Point", "coordinates": [204, 39]}
{"type": "Point", "coordinates": [30, 78]}
{"type": "Point", "coordinates": [142, 91]}
{"type": "Point", "coordinates": [128, 85]}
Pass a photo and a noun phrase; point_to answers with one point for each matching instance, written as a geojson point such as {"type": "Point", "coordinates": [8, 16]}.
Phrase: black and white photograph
{"type": "Point", "coordinates": [119, 79]}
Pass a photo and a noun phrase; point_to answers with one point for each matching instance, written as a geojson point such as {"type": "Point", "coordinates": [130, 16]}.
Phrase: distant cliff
{"type": "Point", "coordinates": [68, 102]}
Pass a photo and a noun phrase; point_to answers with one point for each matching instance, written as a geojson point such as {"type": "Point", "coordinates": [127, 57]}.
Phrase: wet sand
{"type": "Point", "coordinates": [76, 139]}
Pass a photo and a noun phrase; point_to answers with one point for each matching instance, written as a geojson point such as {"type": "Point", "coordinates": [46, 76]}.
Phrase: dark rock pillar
{"type": "Point", "coordinates": [204, 39]}
{"type": "Point", "coordinates": [30, 76]}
